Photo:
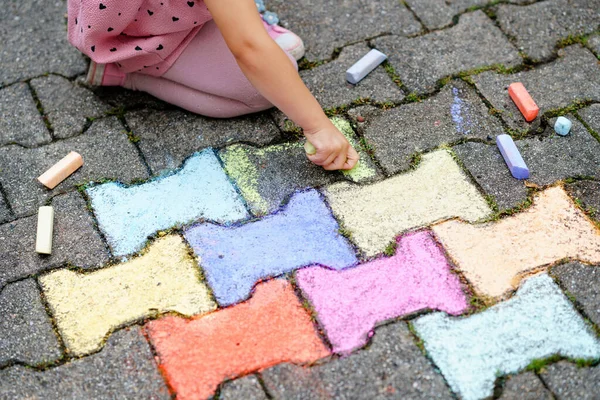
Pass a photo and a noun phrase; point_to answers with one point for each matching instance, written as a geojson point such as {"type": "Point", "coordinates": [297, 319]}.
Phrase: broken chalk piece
{"type": "Point", "coordinates": [364, 66]}
{"type": "Point", "coordinates": [45, 229]}
{"type": "Point", "coordinates": [523, 100]}
{"type": "Point", "coordinates": [563, 126]}
{"type": "Point", "coordinates": [61, 170]}
{"type": "Point", "coordinates": [512, 157]}
{"type": "Point", "coordinates": [309, 148]}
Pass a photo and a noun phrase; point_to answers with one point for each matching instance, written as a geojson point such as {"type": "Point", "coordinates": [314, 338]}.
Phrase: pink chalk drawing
{"type": "Point", "coordinates": [350, 303]}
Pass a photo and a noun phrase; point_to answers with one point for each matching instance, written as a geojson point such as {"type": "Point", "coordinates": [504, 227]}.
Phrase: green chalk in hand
{"type": "Point", "coordinates": [309, 148]}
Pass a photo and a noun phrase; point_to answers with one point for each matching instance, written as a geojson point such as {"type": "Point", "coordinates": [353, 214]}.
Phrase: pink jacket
{"type": "Point", "coordinates": [139, 35]}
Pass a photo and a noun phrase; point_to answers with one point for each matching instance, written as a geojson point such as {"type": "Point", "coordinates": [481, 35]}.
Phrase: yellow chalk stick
{"type": "Point", "coordinates": [45, 229]}
{"type": "Point", "coordinates": [309, 148]}
{"type": "Point", "coordinates": [61, 170]}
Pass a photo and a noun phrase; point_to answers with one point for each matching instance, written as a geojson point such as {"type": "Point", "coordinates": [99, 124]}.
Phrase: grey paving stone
{"type": "Point", "coordinates": [474, 42]}
{"type": "Point", "coordinates": [391, 367]}
{"type": "Point", "coordinates": [525, 386]}
{"type": "Point", "coordinates": [124, 369]}
{"type": "Point", "coordinates": [26, 333]}
{"type": "Point", "coordinates": [106, 152]}
{"type": "Point", "coordinates": [436, 14]}
{"type": "Point", "coordinates": [247, 387]}
{"type": "Point", "coordinates": [34, 41]}
{"type": "Point", "coordinates": [591, 116]}
{"type": "Point", "coordinates": [538, 27]}
{"type": "Point", "coordinates": [328, 81]}
{"type": "Point", "coordinates": [120, 97]}
{"type": "Point", "coordinates": [67, 105]}
{"type": "Point", "coordinates": [167, 138]}
{"type": "Point", "coordinates": [593, 43]}
{"type": "Point", "coordinates": [567, 381]}
{"type": "Point", "coordinates": [76, 241]}
{"type": "Point", "coordinates": [550, 158]}
{"type": "Point", "coordinates": [582, 282]}
{"type": "Point", "coordinates": [588, 192]}
{"type": "Point", "coordinates": [20, 121]}
{"type": "Point", "coordinates": [5, 213]}
{"type": "Point", "coordinates": [575, 76]}
{"type": "Point", "coordinates": [454, 114]}
{"type": "Point", "coordinates": [325, 25]}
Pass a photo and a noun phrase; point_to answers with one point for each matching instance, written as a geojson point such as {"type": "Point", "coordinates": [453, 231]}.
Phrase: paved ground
{"type": "Point", "coordinates": [203, 258]}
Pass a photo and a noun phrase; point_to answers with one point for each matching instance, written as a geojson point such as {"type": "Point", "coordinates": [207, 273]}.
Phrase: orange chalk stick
{"type": "Point", "coordinates": [523, 100]}
{"type": "Point", "coordinates": [61, 170]}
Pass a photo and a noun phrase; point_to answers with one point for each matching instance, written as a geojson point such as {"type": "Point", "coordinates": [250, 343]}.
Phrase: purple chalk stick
{"type": "Point", "coordinates": [512, 157]}
{"type": "Point", "coordinates": [350, 303]}
{"type": "Point", "coordinates": [303, 233]}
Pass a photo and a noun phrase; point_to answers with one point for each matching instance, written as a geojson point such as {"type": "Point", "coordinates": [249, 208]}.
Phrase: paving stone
{"type": "Point", "coordinates": [67, 105]}
{"type": "Point", "coordinates": [20, 121]}
{"type": "Point", "coordinates": [272, 327]}
{"type": "Point", "coordinates": [588, 193]}
{"type": "Point", "coordinates": [350, 303]}
{"type": "Point", "coordinates": [26, 333]}
{"type": "Point", "coordinates": [567, 381]}
{"type": "Point", "coordinates": [75, 241]}
{"type": "Point", "coordinates": [473, 43]}
{"type": "Point", "coordinates": [88, 307]}
{"type": "Point", "coordinates": [128, 215]}
{"type": "Point", "coordinates": [525, 386]}
{"type": "Point", "coordinates": [328, 83]}
{"type": "Point", "coordinates": [106, 151]}
{"type": "Point", "coordinates": [376, 213]}
{"type": "Point", "coordinates": [391, 368]}
{"type": "Point", "coordinates": [168, 137]}
{"type": "Point", "coordinates": [5, 212]}
{"type": "Point", "coordinates": [537, 28]}
{"type": "Point", "coordinates": [34, 40]}
{"type": "Point", "coordinates": [235, 258]}
{"type": "Point", "coordinates": [120, 97]}
{"type": "Point", "coordinates": [125, 368]}
{"type": "Point", "coordinates": [536, 323]}
{"type": "Point", "coordinates": [550, 158]}
{"type": "Point", "coordinates": [593, 44]}
{"type": "Point", "coordinates": [496, 255]}
{"type": "Point", "coordinates": [325, 25]}
{"type": "Point", "coordinates": [456, 113]}
{"type": "Point", "coordinates": [247, 387]}
{"type": "Point", "coordinates": [573, 77]}
{"type": "Point", "coordinates": [267, 176]}
{"type": "Point", "coordinates": [582, 282]}
{"type": "Point", "coordinates": [591, 115]}
{"type": "Point", "coordinates": [435, 14]}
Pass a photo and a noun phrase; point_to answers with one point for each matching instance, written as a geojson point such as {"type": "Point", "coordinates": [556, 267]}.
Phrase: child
{"type": "Point", "coordinates": [214, 57]}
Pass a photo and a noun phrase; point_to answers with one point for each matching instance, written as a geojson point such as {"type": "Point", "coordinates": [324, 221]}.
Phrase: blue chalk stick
{"type": "Point", "coordinates": [512, 157]}
{"type": "Point", "coordinates": [563, 126]}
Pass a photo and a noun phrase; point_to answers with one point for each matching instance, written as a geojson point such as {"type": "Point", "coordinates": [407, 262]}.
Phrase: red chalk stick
{"type": "Point", "coordinates": [523, 100]}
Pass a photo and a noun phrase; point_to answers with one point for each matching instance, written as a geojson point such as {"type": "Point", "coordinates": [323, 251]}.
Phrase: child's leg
{"type": "Point", "coordinates": [205, 79]}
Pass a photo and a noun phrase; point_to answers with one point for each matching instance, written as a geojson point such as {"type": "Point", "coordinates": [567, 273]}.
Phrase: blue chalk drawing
{"type": "Point", "coordinates": [457, 110]}
{"type": "Point", "coordinates": [235, 258]}
{"type": "Point", "coordinates": [536, 323]}
{"type": "Point", "coordinates": [128, 215]}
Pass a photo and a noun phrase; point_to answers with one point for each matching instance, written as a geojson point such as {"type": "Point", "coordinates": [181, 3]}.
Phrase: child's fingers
{"type": "Point", "coordinates": [337, 163]}
{"type": "Point", "coordinates": [352, 158]}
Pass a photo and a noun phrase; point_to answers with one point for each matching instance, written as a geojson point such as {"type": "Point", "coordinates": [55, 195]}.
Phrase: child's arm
{"type": "Point", "coordinates": [268, 68]}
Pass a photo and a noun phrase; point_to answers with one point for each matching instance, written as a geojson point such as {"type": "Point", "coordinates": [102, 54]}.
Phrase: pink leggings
{"type": "Point", "coordinates": [205, 80]}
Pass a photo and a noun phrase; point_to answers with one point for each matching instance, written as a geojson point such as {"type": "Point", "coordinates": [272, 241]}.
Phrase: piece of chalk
{"type": "Point", "coordinates": [364, 66]}
{"type": "Point", "coordinates": [562, 126]}
{"type": "Point", "coordinates": [61, 170]}
{"type": "Point", "coordinates": [523, 100]}
{"type": "Point", "coordinates": [309, 148]}
{"type": "Point", "coordinates": [512, 157]}
{"type": "Point", "coordinates": [45, 229]}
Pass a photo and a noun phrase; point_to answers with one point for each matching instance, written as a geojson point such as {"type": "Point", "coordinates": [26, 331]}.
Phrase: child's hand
{"type": "Point", "coordinates": [333, 151]}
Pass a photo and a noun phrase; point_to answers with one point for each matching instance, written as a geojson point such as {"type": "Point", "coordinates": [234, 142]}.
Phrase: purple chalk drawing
{"type": "Point", "coordinates": [235, 258]}
{"type": "Point", "coordinates": [457, 108]}
{"type": "Point", "coordinates": [350, 303]}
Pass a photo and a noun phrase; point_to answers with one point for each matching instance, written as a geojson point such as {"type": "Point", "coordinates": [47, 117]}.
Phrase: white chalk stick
{"type": "Point", "coordinates": [45, 229]}
{"type": "Point", "coordinates": [364, 66]}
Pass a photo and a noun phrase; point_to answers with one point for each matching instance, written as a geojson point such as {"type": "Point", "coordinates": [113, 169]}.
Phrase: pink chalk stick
{"type": "Point", "coordinates": [349, 303]}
